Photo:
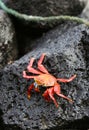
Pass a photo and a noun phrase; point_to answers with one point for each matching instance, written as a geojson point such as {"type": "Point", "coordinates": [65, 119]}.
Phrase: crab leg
{"type": "Point", "coordinates": [28, 77]}
{"type": "Point", "coordinates": [63, 96]}
{"type": "Point", "coordinates": [58, 92]}
{"type": "Point", "coordinates": [49, 93]}
{"type": "Point", "coordinates": [66, 80]}
{"type": "Point", "coordinates": [46, 96]}
{"type": "Point", "coordinates": [32, 70]}
{"type": "Point", "coordinates": [40, 66]}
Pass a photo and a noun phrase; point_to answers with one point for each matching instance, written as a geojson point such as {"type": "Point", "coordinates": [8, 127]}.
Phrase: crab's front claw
{"type": "Point", "coordinates": [37, 90]}
{"type": "Point", "coordinates": [28, 96]}
{"type": "Point", "coordinates": [46, 96]}
{"type": "Point", "coordinates": [29, 90]}
{"type": "Point", "coordinates": [49, 95]}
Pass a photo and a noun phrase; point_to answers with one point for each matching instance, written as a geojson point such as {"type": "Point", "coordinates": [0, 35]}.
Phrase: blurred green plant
{"type": "Point", "coordinates": [39, 19]}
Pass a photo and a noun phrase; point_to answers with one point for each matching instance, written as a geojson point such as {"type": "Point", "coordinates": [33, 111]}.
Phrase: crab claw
{"type": "Point", "coordinates": [37, 89]}
{"type": "Point", "coordinates": [55, 90]}
{"type": "Point", "coordinates": [29, 90]}
{"type": "Point", "coordinates": [29, 96]}
{"type": "Point", "coordinates": [48, 94]}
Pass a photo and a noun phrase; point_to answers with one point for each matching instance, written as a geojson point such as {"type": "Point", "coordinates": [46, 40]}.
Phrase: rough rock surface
{"type": "Point", "coordinates": [67, 53]}
{"type": "Point", "coordinates": [8, 49]}
{"type": "Point", "coordinates": [46, 7]}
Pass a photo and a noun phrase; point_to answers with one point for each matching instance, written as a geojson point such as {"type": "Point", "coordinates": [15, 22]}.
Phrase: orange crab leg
{"type": "Point", "coordinates": [46, 96]}
{"type": "Point", "coordinates": [49, 93]}
{"type": "Point", "coordinates": [40, 66]}
{"type": "Point", "coordinates": [55, 90]}
{"type": "Point", "coordinates": [63, 96]}
{"type": "Point", "coordinates": [32, 70]}
{"type": "Point", "coordinates": [58, 92]}
{"type": "Point", "coordinates": [66, 80]}
{"type": "Point", "coordinates": [28, 77]}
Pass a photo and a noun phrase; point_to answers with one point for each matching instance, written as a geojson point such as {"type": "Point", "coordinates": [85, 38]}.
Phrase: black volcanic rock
{"type": "Point", "coordinates": [46, 7]}
{"type": "Point", "coordinates": [67, 53]}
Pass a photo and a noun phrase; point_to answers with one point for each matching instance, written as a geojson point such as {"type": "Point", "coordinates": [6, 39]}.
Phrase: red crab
{"type": "Point", "coordinates": [45, 79]}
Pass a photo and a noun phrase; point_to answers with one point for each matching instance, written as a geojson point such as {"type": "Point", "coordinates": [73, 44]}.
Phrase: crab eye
{"type": "Point", "coordinates": [35, 84]}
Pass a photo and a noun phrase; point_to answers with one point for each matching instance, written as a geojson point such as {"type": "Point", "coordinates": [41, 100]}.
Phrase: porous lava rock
{"type": "Point", "coordinates": [8, 47]}
{"type": "Point", "coordinates": [66, 49]}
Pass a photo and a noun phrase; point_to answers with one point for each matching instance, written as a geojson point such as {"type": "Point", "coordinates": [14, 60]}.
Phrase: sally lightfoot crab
{"type": "Point", "coordinates": [44, 78]}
